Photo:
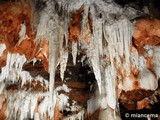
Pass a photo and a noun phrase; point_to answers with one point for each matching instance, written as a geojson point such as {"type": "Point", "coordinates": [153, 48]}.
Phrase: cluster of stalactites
{"type": "Point", "coordinates": [106, 39]}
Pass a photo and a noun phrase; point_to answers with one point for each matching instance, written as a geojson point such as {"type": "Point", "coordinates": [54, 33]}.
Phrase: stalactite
{"type": "Point", "coordinates": [43, 107]}
{"type": "Point", "coordinates": [33, 103]}
{"type": "Point", "coordinates": [2, 87]}
{"type": "Point", "coordinates": [63, 101]}
{"type": "Point", "coordinates": [2, 48]}
{"type": "Point", "coordinates": [74, 52]}
{"type": "Point", "coordinates": [36, 116]}
{"type": "Point", "coordinates": [110, 88]}
{"type": "Point", "coordinates": [63, 62]}
{"type": "Point", "coordinates": [52, 64]}
{"type": "Point", "coordinates": [63, 87]}
{"type": "Point", "coordinates": [13, 68]}
{"type": "Point", "coordinates": [22, 32]}
{"type": "Point", "coordinates": [156, 60]}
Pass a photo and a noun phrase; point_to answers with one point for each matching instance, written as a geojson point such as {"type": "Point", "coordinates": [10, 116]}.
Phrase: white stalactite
{"type": "Point", "coordinates": [1, 101]}
{"type": "Point", "coordinates": [13, 69]}
{"type": "Point", "coordinates": [63, 62]}
{"type": "Point", "coordinates": [110, 88]}
{"type": "Point", "coordinates": [33, 104]}
{"type": "Point", "coordinates": [156, 61]}
{"type": "Point", "coordinates": [22, 32]}
{"type": "Point", "coordinates": [74, 52]}
{"type": "Point", "coordinates": [36, 116]}
{"type": "Point", "coordinates": [2, 48]}
{"type": "Point", "coordinates": [63, 100]}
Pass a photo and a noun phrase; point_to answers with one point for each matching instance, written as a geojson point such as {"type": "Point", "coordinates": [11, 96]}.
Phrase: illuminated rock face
{"type": "Point", "coordinates": [123, 56]}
